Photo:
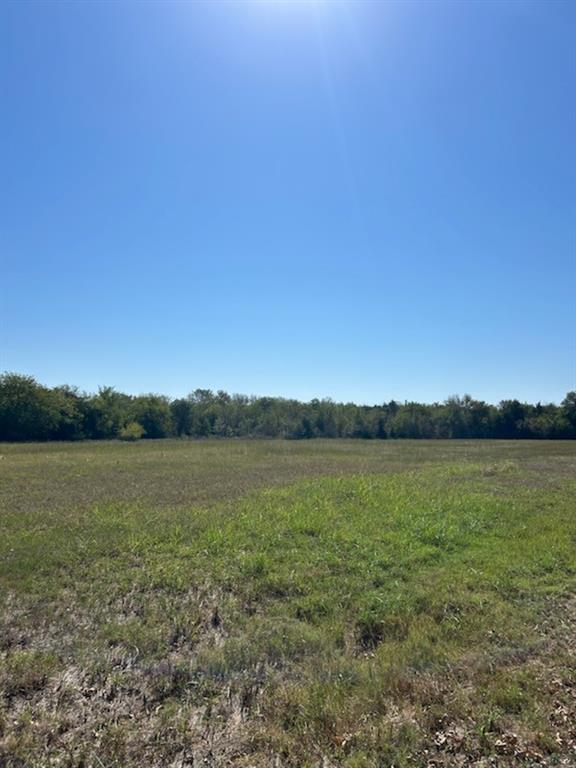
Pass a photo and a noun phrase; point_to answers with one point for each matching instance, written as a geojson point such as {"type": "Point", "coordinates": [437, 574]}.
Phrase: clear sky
{"type": "Point", "coordinates": [360, 200]}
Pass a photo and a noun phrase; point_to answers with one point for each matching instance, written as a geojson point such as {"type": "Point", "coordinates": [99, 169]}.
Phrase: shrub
{"type": "Point", "coordinates": [132, 431]}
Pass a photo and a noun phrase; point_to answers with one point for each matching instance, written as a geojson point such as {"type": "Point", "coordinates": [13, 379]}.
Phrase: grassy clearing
{"type": "Point", "coordinates": [340, 603]}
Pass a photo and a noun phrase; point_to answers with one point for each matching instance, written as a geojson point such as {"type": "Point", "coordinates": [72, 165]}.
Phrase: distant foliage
{"type": "Point", "coordinates": [30, 411]}
{"type": "Point", "coordinates": [132, 431]}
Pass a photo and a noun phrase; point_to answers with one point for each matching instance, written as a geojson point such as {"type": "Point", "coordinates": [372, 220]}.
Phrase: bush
{"type": "Point", "coordinates": [132, 431]}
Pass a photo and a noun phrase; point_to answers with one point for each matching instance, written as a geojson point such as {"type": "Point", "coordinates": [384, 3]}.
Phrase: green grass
{"type": "Point", "coordinates": [343, 603]}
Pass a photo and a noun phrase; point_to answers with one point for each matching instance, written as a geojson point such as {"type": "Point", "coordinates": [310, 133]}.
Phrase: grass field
{"type": "Point", "coordinates": [288, 604]}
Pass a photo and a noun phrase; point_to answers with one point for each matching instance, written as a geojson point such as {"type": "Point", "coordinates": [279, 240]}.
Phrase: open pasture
{"type": "Point", "coordinates": [291, 604]}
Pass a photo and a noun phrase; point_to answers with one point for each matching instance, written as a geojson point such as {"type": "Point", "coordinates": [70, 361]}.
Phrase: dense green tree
{"type": "Point", "coordinates": [108, 411]}
{"type": "Point", "coordinates": [72, 408]}
{"type": "Point", "coordinates": [153, 413]}
{"type": "Point", "coordinates": [569, 411]}
{"type": "Point", "coordinates": [30, 411]}
{"type": "Point", "coordinates": [509, 420]}
{"type": "Point", "coordinates": [182, 418]}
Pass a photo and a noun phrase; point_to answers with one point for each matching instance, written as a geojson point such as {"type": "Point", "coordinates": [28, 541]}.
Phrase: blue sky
{"type": "Point", "coordinates": [361, 200]}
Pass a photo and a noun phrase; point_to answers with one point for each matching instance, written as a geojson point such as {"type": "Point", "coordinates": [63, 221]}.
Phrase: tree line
{"type": "Point", "coordinates": [30, 411]}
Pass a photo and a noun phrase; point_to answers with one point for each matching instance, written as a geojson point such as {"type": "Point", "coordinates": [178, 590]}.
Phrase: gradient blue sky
{"type": "Point", "coordinates": [362, 200]}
